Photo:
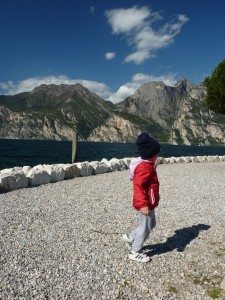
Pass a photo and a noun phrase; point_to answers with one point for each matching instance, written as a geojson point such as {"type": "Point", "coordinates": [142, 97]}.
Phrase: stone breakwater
{"type": "Point", "coordinates": [23, 177]}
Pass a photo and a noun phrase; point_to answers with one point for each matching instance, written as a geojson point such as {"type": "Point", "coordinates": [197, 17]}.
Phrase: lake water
{"type": "Point", "coordinates": [33, 152]}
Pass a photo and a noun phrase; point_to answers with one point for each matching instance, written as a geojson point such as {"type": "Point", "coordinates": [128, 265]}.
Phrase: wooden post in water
{"type": "Point", "coordinates": [74, 146]}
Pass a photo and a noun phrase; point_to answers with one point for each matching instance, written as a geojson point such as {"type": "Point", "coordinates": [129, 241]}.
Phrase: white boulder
{"type": "Point", "coordinates": [201, 159]}
{"type": "Point", "coordinates": [216, 158]}
{"type": "Point", "coordinates": [125, 163]}
{"type": "Point", "coordinates": [186, 159]}
{"type": "Point", "coordinates": [26, 169]}
{"type": "Point", "coordinates": [5, 171]}
{"type": "Point", "coordinates": [204, 158]}
{"type": "Point", "coordinates": [179, 160]}
{"type": "Point", "coordinates": [113, 164]}
{"type": "Point", "coordinates": [12, 179]}
{"type": "Point", "coordinates": [170, 160]}
{"type": "Point", "coordinates": [105, 160]}
{"type": "Point", "coordinates": [99, 167]}
{"type": "Point", "coordinates": [56, 172]}
{"type": "Point", "coordinates": [38, 167]}
{"type": "Point", "coordinates": [17, 169]}
{"type": "Point", "coordinates": [194, 159]}
{"type": "Point", "coordinates": [222, 158]}
{"type": "Point", "coordinates": [71, 171]}
{"type": "Point", "coordinates": [160, 160]}
{"type": "Point", "coordinates": [38, 176]}
{"type": "Point", "coordinates": [210, 158]}
{"type": "Point", "coordinates": [163, 160]}
{"type": "Point", "coordinates": [85, 168]}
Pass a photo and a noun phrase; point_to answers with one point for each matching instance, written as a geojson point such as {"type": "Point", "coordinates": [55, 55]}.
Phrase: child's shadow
{"type": "Point", "coordinates": [179, 240]}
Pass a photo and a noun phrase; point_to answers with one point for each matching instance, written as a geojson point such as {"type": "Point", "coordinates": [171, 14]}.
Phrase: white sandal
{"type": "Point", "coordinates": [140, 257]}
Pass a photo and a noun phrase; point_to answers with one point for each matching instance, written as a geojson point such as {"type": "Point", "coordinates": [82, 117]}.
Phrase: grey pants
{"type": "Point", "coordinates": [140, 234]}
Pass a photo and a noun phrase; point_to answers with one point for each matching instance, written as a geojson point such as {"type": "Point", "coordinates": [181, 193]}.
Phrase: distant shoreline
{"type": "Point", "coordinates": [108, 142]}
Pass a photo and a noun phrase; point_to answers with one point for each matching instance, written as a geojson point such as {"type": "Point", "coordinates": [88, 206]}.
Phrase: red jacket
{"type": "Point", "coordinates": [145, 185]}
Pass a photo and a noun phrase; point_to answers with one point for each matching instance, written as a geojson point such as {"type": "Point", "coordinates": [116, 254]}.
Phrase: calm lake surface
{"type": "Point", "coordinates": [33, 152]}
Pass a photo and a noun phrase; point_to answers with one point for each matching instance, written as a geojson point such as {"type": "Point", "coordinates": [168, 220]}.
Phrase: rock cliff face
{"type": "Point", "coordinates": [179, 110]}
{"type": "Point", "coordinates": [175, 115]}
{"type": "Point", "coordinates": [53, 112]}
{"type": "Point", "coordinates": [32, 126]}
{"type": "Point", "coordinates": [115, 129]}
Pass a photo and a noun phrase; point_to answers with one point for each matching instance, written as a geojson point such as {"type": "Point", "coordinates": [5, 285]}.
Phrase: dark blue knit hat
{"type": "Point", "coordinates": [147, 145]}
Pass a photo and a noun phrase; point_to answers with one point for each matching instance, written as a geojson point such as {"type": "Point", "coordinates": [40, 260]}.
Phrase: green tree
{"type": "Point", "coordinates": [215, 85]}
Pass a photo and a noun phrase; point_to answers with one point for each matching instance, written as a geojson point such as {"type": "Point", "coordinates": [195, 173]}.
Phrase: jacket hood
{"type": "Point", "coordinates": [134, 163]}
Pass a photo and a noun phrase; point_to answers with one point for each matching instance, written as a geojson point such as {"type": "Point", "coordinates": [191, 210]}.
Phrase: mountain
{"type": "Point", "coordinates": [180, 111]}
{"type": "Point", "coordinates": [54, 111]}
{"type": "Point", "coordinates": [175, 115]}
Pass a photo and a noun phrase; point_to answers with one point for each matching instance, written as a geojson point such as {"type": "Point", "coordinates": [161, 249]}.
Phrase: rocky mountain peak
{"type": "Point", "coordinates": [152, 85]}
{"type": "Point", "coordinates": [152, 92]}
{"type": "Point", "coordinates": [185, 85]}
{"type": "Point", "coordinates": [57, 90]}
{"type": "Point", "coordinates": [183, 82]}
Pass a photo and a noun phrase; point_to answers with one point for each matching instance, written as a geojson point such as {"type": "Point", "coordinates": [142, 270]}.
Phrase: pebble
{"type": "Point", "coordinates": [63, 240]}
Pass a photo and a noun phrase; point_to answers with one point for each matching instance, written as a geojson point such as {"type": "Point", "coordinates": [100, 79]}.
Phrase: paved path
{"type": "Point", "coordinates": [63, 240]}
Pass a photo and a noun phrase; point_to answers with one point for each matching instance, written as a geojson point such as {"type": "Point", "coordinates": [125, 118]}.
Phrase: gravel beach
{"type": "Point", "coordinates": [63, 240]}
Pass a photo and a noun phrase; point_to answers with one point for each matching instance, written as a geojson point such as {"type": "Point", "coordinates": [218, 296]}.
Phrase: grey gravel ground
{"type": "Point", "coordinates": [63, 240]}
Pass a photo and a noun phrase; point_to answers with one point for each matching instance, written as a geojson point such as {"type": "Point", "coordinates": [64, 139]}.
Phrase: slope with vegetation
{"type": "Point", "coordinates": [175, 115]}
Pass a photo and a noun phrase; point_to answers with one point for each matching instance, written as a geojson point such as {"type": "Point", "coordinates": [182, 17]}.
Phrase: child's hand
{"type": "Point", "coordinates": [145, 211]}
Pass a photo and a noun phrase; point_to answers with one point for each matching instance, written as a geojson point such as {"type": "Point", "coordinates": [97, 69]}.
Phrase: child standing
{"type": "Point", "coordinates": [145, 194]}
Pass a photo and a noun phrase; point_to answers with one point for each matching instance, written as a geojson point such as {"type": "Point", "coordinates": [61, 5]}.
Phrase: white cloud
{"type": "Point", "coordinates": [124, 20]}
{"type": "Point", "coordinates": [138, 57]}
{"type": "Point", "coordinates": [29, 84]}
{"type": "Point", "coordinates": [123, 92]}
{"type": "Point", "coordinates": [139, 79]}
{"type": "Point", "coordinates": [110, 55]}
{"type": "Point", "coordinates": [136, 24]}
{"type": "Point", "coordinates": [99, 88]}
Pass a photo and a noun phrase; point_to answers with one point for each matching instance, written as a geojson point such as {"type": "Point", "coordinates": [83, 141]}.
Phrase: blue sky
{"type": "Point", "coordinates": [112, 47]}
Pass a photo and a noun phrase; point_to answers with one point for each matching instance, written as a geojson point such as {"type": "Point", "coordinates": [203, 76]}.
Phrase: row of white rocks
{"type": "Point", "coordinates": [23, 177]}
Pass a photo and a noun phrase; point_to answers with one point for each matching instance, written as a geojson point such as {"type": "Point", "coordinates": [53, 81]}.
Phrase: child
{"type": "Point", "coordinates": [145, 194]}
